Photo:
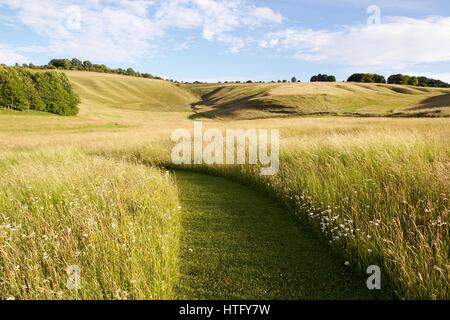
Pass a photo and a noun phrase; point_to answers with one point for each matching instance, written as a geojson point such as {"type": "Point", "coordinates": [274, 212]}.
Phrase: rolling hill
{"type": "Point", "coordinates": [108, 96]}
{"type": "Point", "coordinates": [253, 101]}
{"type": "Point", "coordinates": [131, 93]}
{"type": "Point", "coordinates": [353, 99]}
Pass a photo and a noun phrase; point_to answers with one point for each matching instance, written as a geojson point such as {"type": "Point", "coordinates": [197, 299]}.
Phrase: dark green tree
{"type": "Point", "coordinates": [64, 64]}
{"type": "Point", "coordinates": [323, 78]}
{"type": "Point", "coordinates": [77, 64]}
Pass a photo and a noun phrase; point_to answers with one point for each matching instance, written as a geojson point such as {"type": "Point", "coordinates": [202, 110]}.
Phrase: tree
{"type": "Point", "coordinates": [88, 66]}
{"type": "Point", "coordinates": [323, 78]}
{"type": "Point", "coordinates": [366, 78]}
{"type": "Point", "coordinates": [378, 78]}
{"type": "Point", "coordinates": [76, 64]}
{"type": "Point", "coordinates": [13, 93]}
{"type": "Point", "coordinates": [294, 79]}
{"type": "Point", "coordinates": [413, 81]}
{"type": "Point", "coordinates": [57, 93]}
{"type": "Point", "coordinates": [61, 63]}
{"type": "Point", "coordinates": [416, 81]}
{"type": "Point", "coordinates": [398, 79]}
{"type": "Point", "coordinates": [131, 72]}
{"type": "Point", "coordinates": [34, 99]}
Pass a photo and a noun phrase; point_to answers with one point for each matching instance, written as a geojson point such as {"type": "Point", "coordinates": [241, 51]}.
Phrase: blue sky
{"type": "Point", "coordinates": [211, 40]}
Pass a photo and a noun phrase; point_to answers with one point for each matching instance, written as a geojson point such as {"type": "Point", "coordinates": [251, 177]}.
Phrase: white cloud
{"type": "Point", "coordinates": [263, 14]}
{"type": "Point", "coordinates": [94, 29]}
{"type": "Point", "coordinates": [9, 55]}
{"type": "Point", "coordinates": [122, 30]}
{"type": "Point", "coordinates": [235, 43]}
{"type": "Point", "coordinates": [395, 44]}
{"type": "Point", "coordinates": [216, 18]}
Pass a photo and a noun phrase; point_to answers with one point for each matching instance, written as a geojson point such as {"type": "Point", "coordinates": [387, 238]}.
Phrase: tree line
{"type": "Point", "coordinates": [399, 79]}
{"type": "Point", "coordinates": [78, 65]}
{"type": "Point", "coordinates": [363, 78]}
{"type": "Point", "coordinates": [22, 89]}
{"type": "Point", "coordinates": [417, 81]}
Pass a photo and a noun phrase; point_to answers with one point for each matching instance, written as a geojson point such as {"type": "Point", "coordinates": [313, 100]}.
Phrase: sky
{"type": "Point", "coordinates": [230, 40]}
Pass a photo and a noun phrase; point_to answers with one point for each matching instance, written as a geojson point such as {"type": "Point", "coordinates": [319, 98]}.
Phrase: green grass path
{"type": "Point", "coordinates": [237, 244]}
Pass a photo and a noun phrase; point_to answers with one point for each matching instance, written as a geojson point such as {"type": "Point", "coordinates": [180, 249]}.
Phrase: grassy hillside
{"type": "Point", "coordinates": [129, 92]}
{"type": "Point", "coordinates": [358, 99]}
{"type": "Point", "coordinates": [108, 103]}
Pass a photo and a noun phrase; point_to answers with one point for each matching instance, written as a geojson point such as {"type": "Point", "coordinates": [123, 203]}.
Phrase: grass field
{"type": "Point", "coordinates": [375, 190]}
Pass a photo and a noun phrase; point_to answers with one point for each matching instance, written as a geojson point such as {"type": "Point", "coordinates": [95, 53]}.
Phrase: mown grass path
{"type": "Point", "coordinates": [237, 244]}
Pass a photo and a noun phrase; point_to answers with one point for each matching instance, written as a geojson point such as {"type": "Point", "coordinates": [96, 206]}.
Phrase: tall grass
{"type": "Point", "coordinates": [378, 198]}
{"type": "Point", "coordinates": [117, 222]}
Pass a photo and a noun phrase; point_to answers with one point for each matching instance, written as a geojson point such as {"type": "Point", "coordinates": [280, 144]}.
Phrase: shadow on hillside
{"type": "Point", "coordinates": [227, 109]}
{"type": "Point", "coordinates": [441, 101]}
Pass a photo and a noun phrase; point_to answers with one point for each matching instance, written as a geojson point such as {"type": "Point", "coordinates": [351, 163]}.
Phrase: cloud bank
{"type": "Point", "coordinates": [397, 43]}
